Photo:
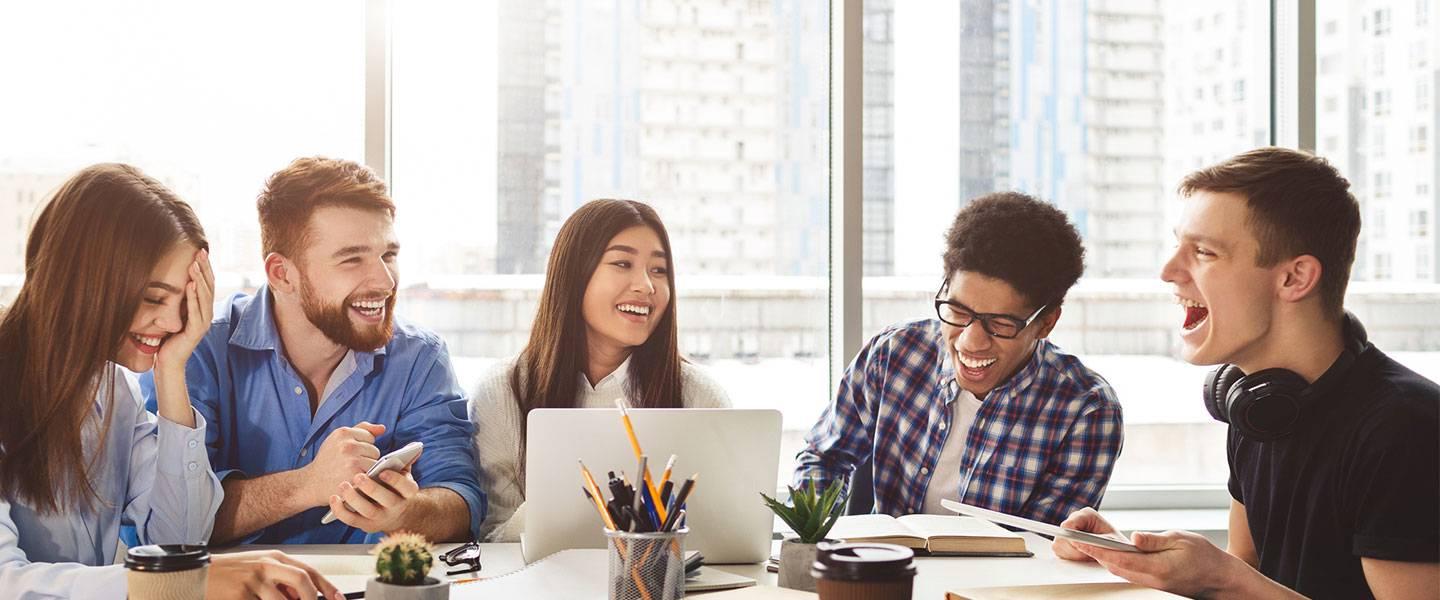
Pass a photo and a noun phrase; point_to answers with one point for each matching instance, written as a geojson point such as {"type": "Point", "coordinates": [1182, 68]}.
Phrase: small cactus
{"type": "Point", "coordinates": [403, 559]}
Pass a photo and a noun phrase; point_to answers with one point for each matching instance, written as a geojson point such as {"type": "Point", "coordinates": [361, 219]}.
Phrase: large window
{"type": "Point", "coordinates": [498, 119]}
{"type": "Point", "coordinates": [1097, 107]}
{"type": "Point", "coordinates": [1376, 121]}
{"type": "Point", "coordinates": [508, 116]}
{"type": "Point", "coordinates": [208, 98]}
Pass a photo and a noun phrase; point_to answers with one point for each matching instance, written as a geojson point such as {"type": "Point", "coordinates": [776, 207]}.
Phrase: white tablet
{"type": "Point", "coordinates": [1113, 541]}
{"type": "Point", "coordinates": [393, 461]}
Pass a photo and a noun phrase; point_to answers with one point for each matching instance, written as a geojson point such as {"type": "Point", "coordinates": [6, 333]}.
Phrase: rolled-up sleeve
{"type": "Point", "coordinates": [438, 416]}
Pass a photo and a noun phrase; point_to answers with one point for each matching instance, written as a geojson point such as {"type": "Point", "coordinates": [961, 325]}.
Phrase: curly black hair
{"type": "Point", "coordinates": [1020, 240]}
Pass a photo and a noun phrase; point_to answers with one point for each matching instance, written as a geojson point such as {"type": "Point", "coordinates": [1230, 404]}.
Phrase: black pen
{"type": "Point", "coordinates": [678, 501]}
{"type": "Point", "coordinates": [675, 523]}
{"type": "Point", "coordinates": [632, 518]}
{"type": "Point", "coordinates": [665, 489]}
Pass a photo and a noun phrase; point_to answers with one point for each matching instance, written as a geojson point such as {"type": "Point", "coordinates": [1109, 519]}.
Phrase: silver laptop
{"type": "Point", "coordinates": [735, 451]}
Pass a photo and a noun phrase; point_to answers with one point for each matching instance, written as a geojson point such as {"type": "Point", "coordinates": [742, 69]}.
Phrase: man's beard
{"type": "Point", "coordinates": [334, 320]}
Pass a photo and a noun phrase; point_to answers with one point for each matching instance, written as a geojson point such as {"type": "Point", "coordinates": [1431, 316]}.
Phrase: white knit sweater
{"type": "Point", "coordinates": [497, 420]}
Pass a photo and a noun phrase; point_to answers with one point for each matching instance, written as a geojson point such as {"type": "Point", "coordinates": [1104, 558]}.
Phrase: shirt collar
{"type": "Point", "coordinates": [1019, 381]}
{"type": "Point", "coordinates": [613, 381]}
{"type": "Point", "coordinates": [257, 331]}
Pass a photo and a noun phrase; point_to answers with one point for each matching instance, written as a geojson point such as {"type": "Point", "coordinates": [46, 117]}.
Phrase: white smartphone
{"type": "Point", "coordinates": [393, 461]}
{"type": "Point", "coordinates": [1113, 541]}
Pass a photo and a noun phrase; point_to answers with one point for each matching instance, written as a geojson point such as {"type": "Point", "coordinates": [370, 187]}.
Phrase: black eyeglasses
{"type": "Point", "coordinates": [998, 325]}
{"type": "Point", "coordinates": [467, 554]}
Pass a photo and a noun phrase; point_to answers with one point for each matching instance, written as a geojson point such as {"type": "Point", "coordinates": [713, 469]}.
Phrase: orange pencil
{"type": "Point", "coordinates": [595, 495]}
{"type": "Point", "coordinates": [635, 445]}
{"type": "Point", "coordinates": [669, 464]}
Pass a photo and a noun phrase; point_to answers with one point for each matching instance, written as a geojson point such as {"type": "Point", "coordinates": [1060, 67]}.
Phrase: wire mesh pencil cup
{"type": "Point", "coordinates": [646, 566]}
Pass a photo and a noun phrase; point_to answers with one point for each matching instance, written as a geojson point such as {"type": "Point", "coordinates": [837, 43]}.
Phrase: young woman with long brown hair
{"type": "Point", "coordinates": [605, 329]}
{"type": "Point", "coordinates": [117, 282]}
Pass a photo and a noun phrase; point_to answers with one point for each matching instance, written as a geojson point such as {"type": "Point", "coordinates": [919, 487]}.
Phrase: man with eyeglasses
{"type": "Point", "coordinates": [1035, 432]}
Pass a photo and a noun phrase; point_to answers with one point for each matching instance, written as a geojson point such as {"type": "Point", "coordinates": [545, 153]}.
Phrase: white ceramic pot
{"type": "Point", "coordinates": [432, 589]}
{"type": "Point", "coordinates": [795, 561]}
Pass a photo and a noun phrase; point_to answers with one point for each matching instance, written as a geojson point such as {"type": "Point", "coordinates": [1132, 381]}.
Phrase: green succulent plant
{"type": "Point", "coordinates": [403, 559]}
{"type": "Point", "coordinates": [810, 513]}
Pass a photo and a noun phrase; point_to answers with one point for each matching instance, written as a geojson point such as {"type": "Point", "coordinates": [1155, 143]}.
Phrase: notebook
{"type": "Point", "coordinates": [758, 593]}
{"type": "Point", "coordinates": [575, 574]}
{"type": "Point", "coordinates": [1070, 591]}
{"type": "Point", "coordinates": [944, 535]}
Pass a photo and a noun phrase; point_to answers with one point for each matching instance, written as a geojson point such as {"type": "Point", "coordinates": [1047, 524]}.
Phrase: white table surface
{"type": "Point", "coordinates": [349, 566]}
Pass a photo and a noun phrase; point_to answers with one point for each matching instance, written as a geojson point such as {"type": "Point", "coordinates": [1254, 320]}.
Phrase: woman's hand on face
{"type": "Point", "coordinates": [199, 310]}
{"type": "Point", "coordinates": [265, 574]}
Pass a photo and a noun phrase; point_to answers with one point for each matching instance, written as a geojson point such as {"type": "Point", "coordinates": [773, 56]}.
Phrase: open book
{"type": "Point", "coordinates": [935, 534]}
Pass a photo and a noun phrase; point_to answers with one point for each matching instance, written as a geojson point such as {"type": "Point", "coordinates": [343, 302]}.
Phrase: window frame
{"type": "Point", "coordinates": [1292, 124]}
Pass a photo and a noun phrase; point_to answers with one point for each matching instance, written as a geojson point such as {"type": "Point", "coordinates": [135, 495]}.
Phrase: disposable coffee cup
{"type": "Point", "coordinates": [167, 572]}
{"type": "Point", "coordinates": [863, 571]}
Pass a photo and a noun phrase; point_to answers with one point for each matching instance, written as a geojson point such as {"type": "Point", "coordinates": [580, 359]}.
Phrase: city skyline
{"type": "Point", "coordinates": [716, 113]}
{"type": "Point", "coordinates": [505, 116]}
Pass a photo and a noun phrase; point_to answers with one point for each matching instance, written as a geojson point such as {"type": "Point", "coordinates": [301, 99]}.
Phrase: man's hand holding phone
{"type": "Point", "coordinates": [376, 500]}
{"type": "Point", "coordinates": [344, 453]}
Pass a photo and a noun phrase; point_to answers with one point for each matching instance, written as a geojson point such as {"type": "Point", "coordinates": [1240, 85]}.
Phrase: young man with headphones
{"type": "Point", "coordinates": [1334, 448]}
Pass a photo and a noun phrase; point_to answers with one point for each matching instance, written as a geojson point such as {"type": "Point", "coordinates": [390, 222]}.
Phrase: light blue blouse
{"type": "Point", "coordinates": [154, 474]}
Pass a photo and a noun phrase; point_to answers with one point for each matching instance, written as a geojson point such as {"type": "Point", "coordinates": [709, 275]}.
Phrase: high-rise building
{"type": "Point", "coordinates": [702, 110]}
{"type": "Point", "coordinates": [878, 139]}
{"type": "Point", "coordinates": [1219, 106]}
{"type": "Point", "coordinates": [803, 124]}
{"type": "Point", "coordinates": [984, 98]}
{"type": "Point", "coordinates": [525, 117]}
{"type": "Point", "coordinates": [1378, 69]}
{"type": "Point", "coordinates": [1122, 109]}
{"type": "Point", "coordinates": [22, 192]}
{"type": "Point", "coordinates": [1084, 116]}
{"type": "Point", "coordinates": [25, 188]}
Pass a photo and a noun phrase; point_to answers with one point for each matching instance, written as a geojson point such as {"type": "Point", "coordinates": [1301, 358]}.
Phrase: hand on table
{"type": "Point", "coordinates": [266, 574]}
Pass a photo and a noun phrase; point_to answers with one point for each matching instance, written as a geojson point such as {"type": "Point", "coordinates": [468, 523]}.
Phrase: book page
{"type": "Point", "coordinates": [875, 528]}
{"type": "Point", "coordinates": [931, 526]}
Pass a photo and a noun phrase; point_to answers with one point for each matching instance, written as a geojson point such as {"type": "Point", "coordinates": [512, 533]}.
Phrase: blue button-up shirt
{"type": "Point", "coordinates": [260, 421]}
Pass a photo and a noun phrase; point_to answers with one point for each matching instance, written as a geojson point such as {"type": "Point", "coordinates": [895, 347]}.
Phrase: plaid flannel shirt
{"type": "Point", "coordinates": [1042, 445]}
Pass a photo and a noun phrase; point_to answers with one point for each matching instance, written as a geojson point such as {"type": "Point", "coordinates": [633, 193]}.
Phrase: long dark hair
{"type": "Point", "coordinates": [545, 375]}
{"type": "Point", "coordinates": [87, 261]}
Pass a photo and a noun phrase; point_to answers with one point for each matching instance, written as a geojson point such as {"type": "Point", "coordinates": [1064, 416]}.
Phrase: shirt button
{"type": "Point", "coordinates": [942, 426]}
{"type": "Point", "coordinates": [299, 390]}
{"type": "Point", "coordinates": [924, 470]}
{"type": "Point", "coordinates": [192, 466]}
{"type": "Point", "coordinates": [304, 452]}
{"type": "Point", "coordinates": [193, 443]}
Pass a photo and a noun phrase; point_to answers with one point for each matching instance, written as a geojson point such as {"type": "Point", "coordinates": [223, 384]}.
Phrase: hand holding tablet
{"type": "Point", "coordinates": [1113, 541]}
{"type": "Point", "coordinates": [394, 461]}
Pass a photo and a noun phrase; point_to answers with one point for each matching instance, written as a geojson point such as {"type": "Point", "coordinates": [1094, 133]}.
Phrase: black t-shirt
{"type": "Point", "coordinates": [1359, 477]}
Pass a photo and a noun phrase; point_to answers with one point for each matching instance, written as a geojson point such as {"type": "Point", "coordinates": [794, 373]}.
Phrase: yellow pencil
{"type": "Point", "coordinates": [669, 464]}
{"type": "Point", "coordinates": [595, 495]}
{"type": "Point", "coordinates": [635, 445]}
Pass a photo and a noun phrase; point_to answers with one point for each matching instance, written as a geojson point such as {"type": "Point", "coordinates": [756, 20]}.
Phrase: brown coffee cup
{"type": "Point", "coordinates": [863, 571]}
{"type": "Point", "coordinates": [167, 572]}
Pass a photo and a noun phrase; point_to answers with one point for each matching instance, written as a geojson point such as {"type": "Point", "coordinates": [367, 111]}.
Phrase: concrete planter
{"type": "Point", "coordinates": [795, 561]}
{"type": "Point", "coordinates": [432, 589]}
